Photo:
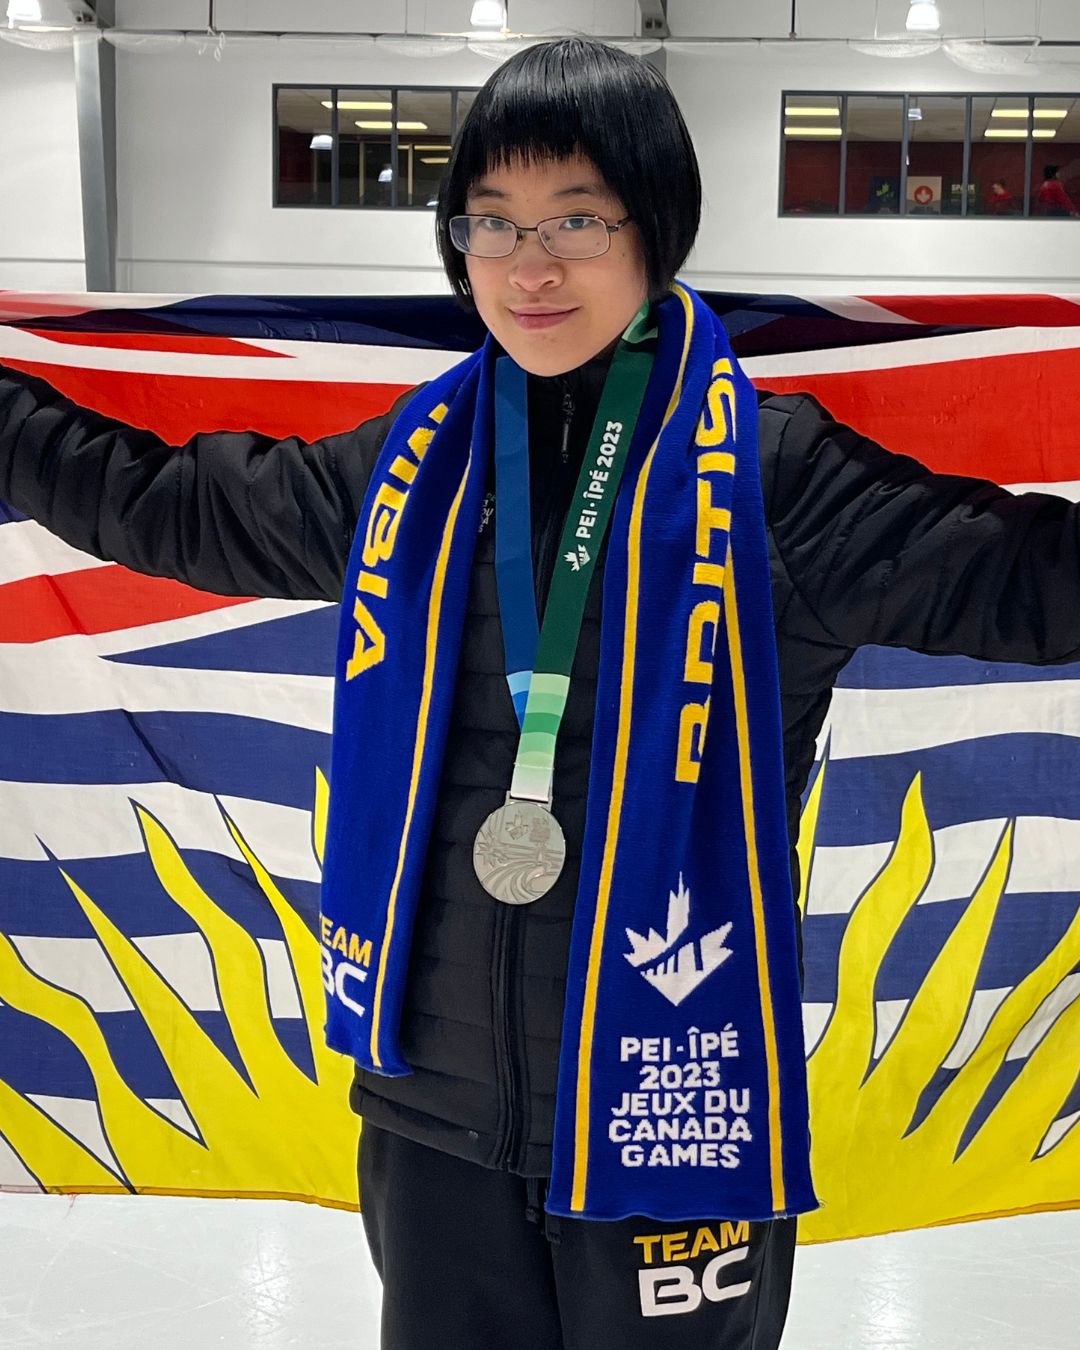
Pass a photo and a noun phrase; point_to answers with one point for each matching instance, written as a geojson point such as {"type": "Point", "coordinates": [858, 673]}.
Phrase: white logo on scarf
{"type": "Point", "coordinates": [577, 560]}
{"type": "Point", "coordinates": [677, 973]}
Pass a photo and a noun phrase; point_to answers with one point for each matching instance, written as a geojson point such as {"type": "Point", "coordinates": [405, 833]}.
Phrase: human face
{"type": "Point", "coordinates": [594, 298]}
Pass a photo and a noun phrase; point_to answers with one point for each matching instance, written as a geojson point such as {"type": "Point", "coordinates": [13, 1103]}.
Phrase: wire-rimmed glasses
{"type": "Point", "coordinates": [577, 236]}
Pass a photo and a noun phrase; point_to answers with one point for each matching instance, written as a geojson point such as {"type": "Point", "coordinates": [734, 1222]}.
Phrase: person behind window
{"type": "Point", "coordinates": [1051, 198]}
{"type": "Point", "coordinates": [1000, 201]}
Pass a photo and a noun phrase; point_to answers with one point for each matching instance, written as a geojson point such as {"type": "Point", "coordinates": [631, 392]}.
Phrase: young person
{"type": "Point", "coordinates": [1000, 202]}
{"type": "Point", "coordinates": [1051, 199]}
{"type": "Point", "coordinates": [533, 779]}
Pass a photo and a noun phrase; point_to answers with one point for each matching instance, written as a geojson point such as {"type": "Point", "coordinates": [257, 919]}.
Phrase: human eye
{"type": "Point", "coordinates": [493, 225]}
{"type": "Point", "coordinates": [574, 224]}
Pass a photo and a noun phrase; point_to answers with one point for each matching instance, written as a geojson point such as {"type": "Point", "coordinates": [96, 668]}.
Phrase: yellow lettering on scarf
{"type": "Point", "coordinates": [734, 1234]}
{"type": "Point", "coordinates": [709, 517]}
{"type": "Point", "coordinates": [380, 536]}
{"type": "Point", "coordinates": [718, 420]}
{"type": "Point", "coordinates": [713, 526]}
{"type": "Point", "coordinates": [369, 641]}
{"type": "Point", "coordinates": [383, 524]}
{"type": "Point", "coordinates": [692, 722]}
{"type": "Point", "coordinates": [699, 667]}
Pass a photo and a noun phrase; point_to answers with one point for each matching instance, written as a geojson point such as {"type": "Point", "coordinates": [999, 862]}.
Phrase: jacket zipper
{"type": "Point", "coordinates": [509, 1046]}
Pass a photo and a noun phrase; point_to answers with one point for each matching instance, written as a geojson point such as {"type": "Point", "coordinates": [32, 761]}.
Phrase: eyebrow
{"type": "Point", "coordinates": [575, 190]}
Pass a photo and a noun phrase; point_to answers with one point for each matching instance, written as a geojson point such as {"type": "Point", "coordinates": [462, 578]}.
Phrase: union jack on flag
{"type": "Point", "coordinates": [162, 786]}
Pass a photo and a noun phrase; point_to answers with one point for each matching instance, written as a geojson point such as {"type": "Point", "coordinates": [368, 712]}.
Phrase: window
{"type": "Point", "coordinates": [303, 147]}
{"type": "Point", "coordinates": [364, 147]}
{"type": "Point", "coordinates": [930, 155]}
{"type": "Point", "coordinates": [812, 131]}
{"type": "Point", "coordinates": [935, 155]}
{"type": "Point", "coordinates": [874, 141]}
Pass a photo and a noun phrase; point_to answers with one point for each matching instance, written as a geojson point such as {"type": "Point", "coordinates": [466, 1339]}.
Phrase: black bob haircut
{"type": "Point", "coordinates": [579, 96]}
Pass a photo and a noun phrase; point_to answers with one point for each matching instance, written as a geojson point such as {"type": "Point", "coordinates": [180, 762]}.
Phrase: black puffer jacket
{"type": "Point", "coordinates": [866, 547]}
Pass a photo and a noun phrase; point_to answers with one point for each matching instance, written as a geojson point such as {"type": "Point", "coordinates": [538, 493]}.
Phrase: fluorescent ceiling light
{"type": "Point", "coordinates": [24, 11]}
{"type": "Point", "coordinates": [812, 131]}
{"type": "Point", "coordinates": [433, 147]}
{"type": "Point", "coordinates": [1021, 114]}
{"type": "Point", "coordinates": [923, 17]}
{"type": "Point", "coordinates": [1017, 134]}
{"type": "Point", "coordinates": [324, 141]}
{"type": "Point", "coordinates": [389, 126]}
{"type": "Point", "coordinates": [359, 107]}
{"type": "Point", "coordinates": [435, 160]}
{"type": "Point", "coordinates": [488, 14]}
{"type": "Point", "coordinates": [811, 112]}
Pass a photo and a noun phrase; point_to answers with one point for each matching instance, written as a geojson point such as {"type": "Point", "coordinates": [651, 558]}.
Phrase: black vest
{"type": "Point", "coordinates": [484, 1001]}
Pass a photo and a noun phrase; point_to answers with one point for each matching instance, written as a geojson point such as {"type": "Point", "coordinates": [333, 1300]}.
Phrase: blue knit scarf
{"type": "Point", "coordinates": [682, 1081]}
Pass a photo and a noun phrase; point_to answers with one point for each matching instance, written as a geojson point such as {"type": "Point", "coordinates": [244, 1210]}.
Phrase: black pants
{"type": "Point", "coordinates": [469, 1260]}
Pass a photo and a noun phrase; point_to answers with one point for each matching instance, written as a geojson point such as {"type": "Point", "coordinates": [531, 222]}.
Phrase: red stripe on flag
{"type": "Point", "coordinates": [158, 342]}
{"type": "Point", "coordinates": [16, 305]}
{"type": "Point", "coordinates": [1012, 419]}
{"type": "Point", "coordinates": [177, 407]}
{"type": "Point", "coordinates": [983, 311]}
{"type": "Point", "coordinates": [97, 600]}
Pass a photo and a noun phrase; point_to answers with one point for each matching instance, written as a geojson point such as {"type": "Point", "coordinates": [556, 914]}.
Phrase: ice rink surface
{"type": "Point", "coordinates": [114, 1273]}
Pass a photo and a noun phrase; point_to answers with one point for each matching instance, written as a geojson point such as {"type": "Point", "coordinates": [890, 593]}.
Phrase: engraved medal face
{"type": "Point", "coordinates": [519, 852]}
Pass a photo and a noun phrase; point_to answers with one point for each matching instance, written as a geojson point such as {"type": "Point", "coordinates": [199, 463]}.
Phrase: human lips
{"type": "Point", "coordinates": [541, 316]}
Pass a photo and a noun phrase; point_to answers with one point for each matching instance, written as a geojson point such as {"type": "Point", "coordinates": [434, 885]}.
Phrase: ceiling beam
{"type": "Point", "coordinates": [95, 103]}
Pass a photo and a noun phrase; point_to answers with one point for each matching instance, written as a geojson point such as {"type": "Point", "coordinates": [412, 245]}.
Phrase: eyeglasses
{"type": "Point", "coordinates": [562, 236]}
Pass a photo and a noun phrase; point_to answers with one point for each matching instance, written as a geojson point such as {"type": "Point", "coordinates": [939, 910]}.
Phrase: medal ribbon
{"type": "Point", "coordinates": [539, 660]}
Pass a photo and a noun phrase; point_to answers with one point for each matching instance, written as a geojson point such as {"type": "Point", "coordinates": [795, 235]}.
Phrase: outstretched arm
{"type": "Point", "coordinates": [235, 513]}
{"type": "Point", "coordinates": [883, 551]}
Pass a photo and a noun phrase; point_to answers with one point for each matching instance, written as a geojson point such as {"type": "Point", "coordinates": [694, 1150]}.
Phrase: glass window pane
{"type": "Point", "coordinates": [423, 144]}
{"type": "Point", "coordinates": [999, 128]}
{"type": "Point", "coordinates": [303, 147]}
{"type": "Point", "coordinates": [365, 169]}
{"type": "Point", "coordinates": [465, 99]}
{"type": "Point", "coordinates": [811, 154]}
{"type": "Point", "coordinates": [1055, 168]}
{"type": "Point", "coordinates": [935, 155]}
{"type": "Point", "coordinates": [875, 127]}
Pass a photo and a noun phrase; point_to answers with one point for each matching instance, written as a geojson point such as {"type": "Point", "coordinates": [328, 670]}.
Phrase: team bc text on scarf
{"type": "Point", "coordinates": [682, 1079]}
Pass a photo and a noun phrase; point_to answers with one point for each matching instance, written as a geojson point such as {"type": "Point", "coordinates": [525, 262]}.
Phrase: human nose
{"type": "Point", "coordinates": [533, 266]}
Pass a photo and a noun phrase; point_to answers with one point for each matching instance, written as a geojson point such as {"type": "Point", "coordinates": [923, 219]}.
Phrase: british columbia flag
{"type": "Point", "coordinates": [163, 753]}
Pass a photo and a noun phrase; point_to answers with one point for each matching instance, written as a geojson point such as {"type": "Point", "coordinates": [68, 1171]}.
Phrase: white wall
{"type": "Point", "coordinates": [41, 242]}
{"type": "Point", "coordinates": [195, 162]}
{"type": "Point", "coordinates": [195, 156]}
{"type": "Point", "coordinates": [195, 147]}
{"type": "Point", "coordinates": [731, 98]}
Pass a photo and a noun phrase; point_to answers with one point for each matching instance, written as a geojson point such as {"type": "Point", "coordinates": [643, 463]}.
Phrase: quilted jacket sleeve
{"type": "Point", "coordinates": [235, 513]}
{"type": "Point", "coordinates": [883, 551]}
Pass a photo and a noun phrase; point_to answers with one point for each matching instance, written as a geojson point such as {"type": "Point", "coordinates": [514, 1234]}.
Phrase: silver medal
{"type": "Point", "coordinates": [519, 851]}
